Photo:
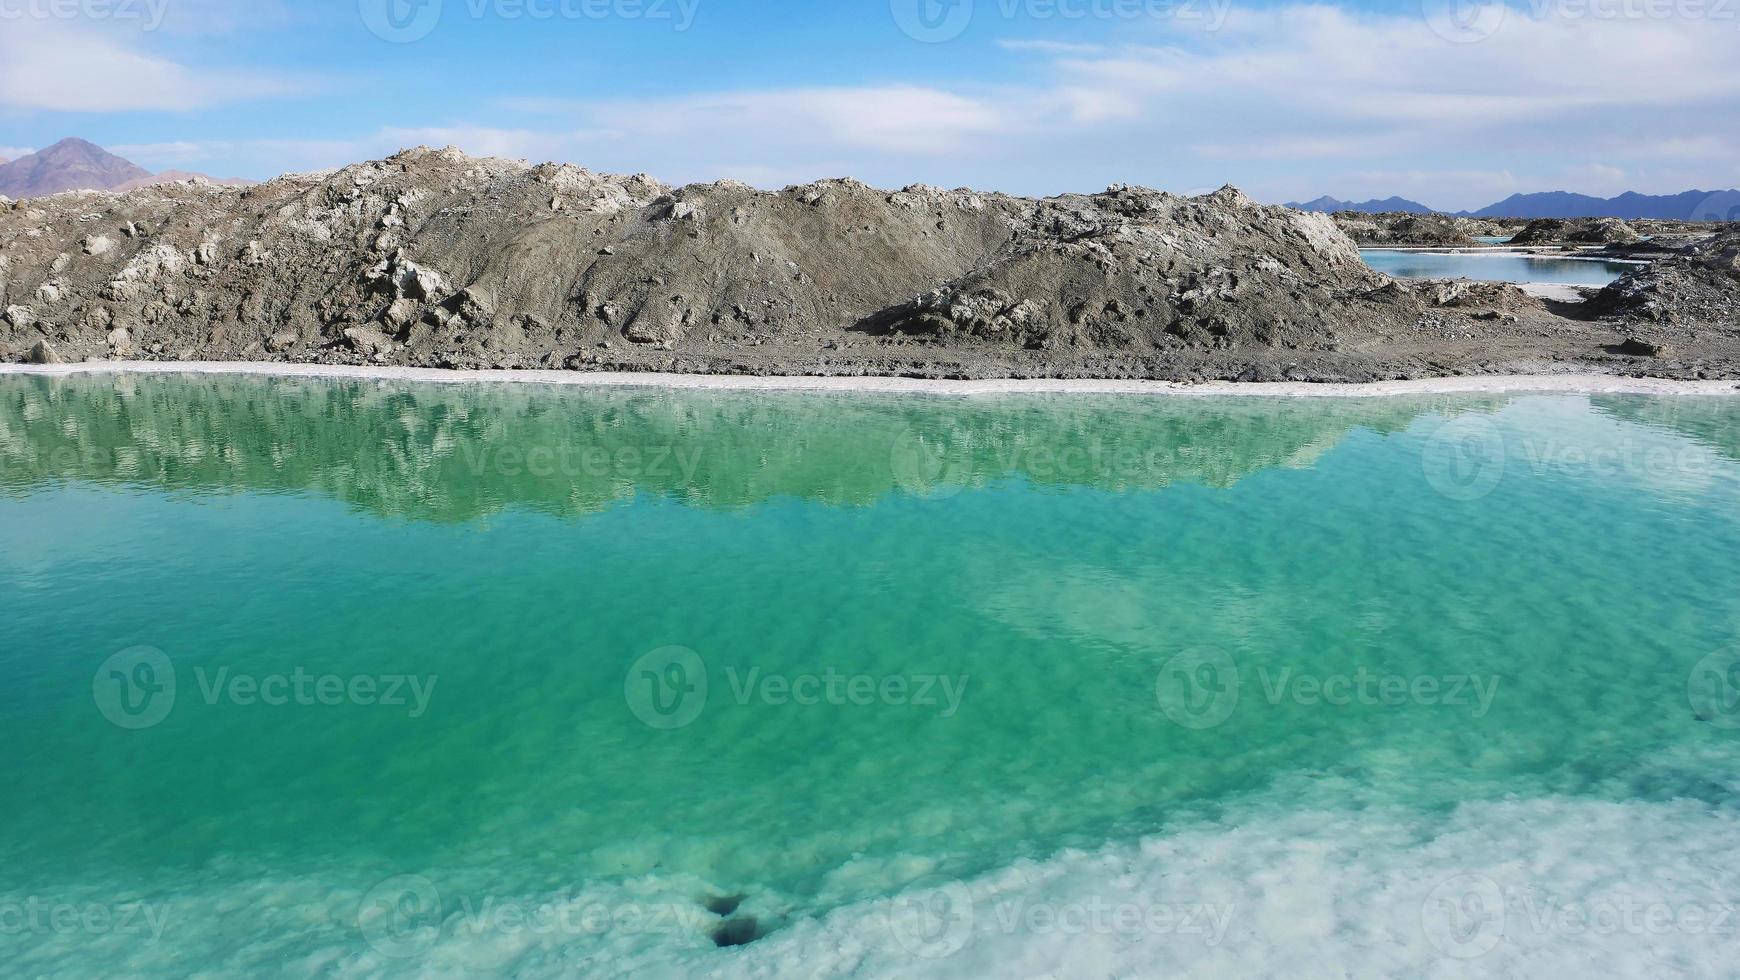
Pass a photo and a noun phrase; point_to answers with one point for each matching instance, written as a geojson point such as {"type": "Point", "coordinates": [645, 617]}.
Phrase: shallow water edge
{"type": "Point", "coordinates": [1589, 384]}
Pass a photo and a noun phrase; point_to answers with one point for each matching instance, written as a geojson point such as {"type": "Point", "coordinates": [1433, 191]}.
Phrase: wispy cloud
{"type": "Point", "coordinates": [1053, 47]}
{"type": "Point", "coordinates": [893, 118]}
{"type": "Point", "coordinates": [1288, 101]}
{"type": "Point", "coordinates": [54, 66]}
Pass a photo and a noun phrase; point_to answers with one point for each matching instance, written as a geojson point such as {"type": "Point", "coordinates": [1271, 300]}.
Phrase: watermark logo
{"type": "Point", "coordinates": [405, 916]}
{"type": "Point", "coordinates": [1375, 689]}
{"type": "Point", "coordinates": [1463, 917]}
{"type": "Point", "coordinates": [667, 688]}
{"type": "Point", "coordinates": [1714, 689]}
{"type": "Point", "coordinates": [933, 918]}
{"type": "Point", "coordinates": [936, 21]}
{"type": "Point", "coordinates": [1624, 915]}
{"type": "Point", "coordinates": [405, 21]}
{"type": "Point", "coordinates": [938, 917]}
{"type": "Point", "coordinates": [836, 688]}
{"type": "Point", "coordinates": [1464, 21]}
{"type": "Point", "coordinates": [1464, 459]}
{"type": "Point", "coordinates": [37, 916]}
{"type": "Point", "coordinates": [135, 689]}
{"type": "Point", "coordinates": [148, 14]}
{"type": "Point", "coordinates": [1720, 206]}
{"type": "Point", "coordinates": [1198, 689]}
{"type": "Point", "coordinates": [401, 917]}
{"type": "Point", "coordinates": [927, 466]}
{"type": "Point", "coordinates": [400, 21]}
{"type": "Point", "coordinates": [932, 21]}
{"type": "Point", "coordinates": [1473, 21]}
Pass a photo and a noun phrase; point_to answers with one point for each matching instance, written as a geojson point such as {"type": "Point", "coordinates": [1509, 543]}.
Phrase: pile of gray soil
{"type": "Point", "coordinates": [1699, 287]}
{"type": "Point", "coordinates": [1402, 228]}
{"type": "Point", "coordinates": [1587, 231]}
{"type": "Point", "coordinates": [437, 259]}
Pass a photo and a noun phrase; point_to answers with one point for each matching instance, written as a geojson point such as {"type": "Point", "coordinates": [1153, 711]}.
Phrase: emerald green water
{"type": "Point", "coordinates": [1027, 588]}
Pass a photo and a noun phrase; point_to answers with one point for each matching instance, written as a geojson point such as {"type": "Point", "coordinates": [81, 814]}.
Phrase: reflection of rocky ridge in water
{"type": "Point", "coordinates": [1711, 422]}
{"type": "Point", "coordinates": [453, 454]}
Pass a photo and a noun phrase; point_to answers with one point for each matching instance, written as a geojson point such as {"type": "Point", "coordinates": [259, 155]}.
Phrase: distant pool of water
{"type": "Point", "coordinates": [1493, 239]}
{"type": "Point", "coordinates": [1494, 267]}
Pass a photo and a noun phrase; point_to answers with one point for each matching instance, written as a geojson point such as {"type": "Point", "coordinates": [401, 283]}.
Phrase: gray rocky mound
{"type": "Point", "coordinates": [1699, 286]}
{"type": "Point", "coordinates": [1589, 231]}
{"type": "Point", "coordinates": [1406, 228]}
{"type": "Point", "coordinates": [435, 258]}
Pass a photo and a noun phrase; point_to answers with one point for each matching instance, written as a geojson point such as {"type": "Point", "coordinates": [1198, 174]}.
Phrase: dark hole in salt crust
{"type": "Point", "coordinates": [724, 905]}
{"type": "Point", "coordinates": [737, 932]}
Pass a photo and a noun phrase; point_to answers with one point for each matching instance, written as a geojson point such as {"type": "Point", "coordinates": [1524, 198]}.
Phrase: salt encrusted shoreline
{"type": "Point", "coordinates": [1477, 384]}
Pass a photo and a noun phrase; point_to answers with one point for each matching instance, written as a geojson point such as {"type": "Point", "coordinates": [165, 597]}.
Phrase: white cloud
{"type": "Point", "coordinates": [52, 66]}
{"type": "Point", "coordinates": [1052, 47]}
{"type": "Point", "coordinates": [895, 118]}
{"type": "Point", "coordinates": [1313, 86]}
{"type": "Point", "coordinates": [1289, 102]}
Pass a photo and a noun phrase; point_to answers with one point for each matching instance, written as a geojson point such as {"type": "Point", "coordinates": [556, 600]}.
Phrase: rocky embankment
{"type": "Point", "coordinates": [1405, 228]}
{"type": "Point", "coordinates": [1694, 292]}
{"type": "Point", "coordinates": [1591, 231]}
{"type": "Point", "coordinates": [436, 259]}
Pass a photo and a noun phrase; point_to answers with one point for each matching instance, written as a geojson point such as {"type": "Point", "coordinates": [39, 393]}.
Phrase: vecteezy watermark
{"type": "Point", "coordinates": [148, 14]}
{"type": "Point", "coordinates": [1199, 689]}
{"type": "Point", "coordinates": [1374, 689]}
{"type": "Point", "coordinates": [669, 688]}
{"type": "Point", "coordinates": [1624, 915]}
{"type": "Point", "coordinates": [405, 21]}
{"type": "Point", "coordinates": [1464, 21]}
{"type": "Point", "coordinates": [1463, 917]}
{"type": "Point", "coordinates": [928, 466]}
{"type": "Point", "coordinates": [933, 917]}
{"type": "Point", "coordinates": [401, 917]}
{"type": "Point", "coordinates": [37, 916]}
{"type": "Point", "coordinates": [1713, 688]}
{"type": "Point", "coordinates": [1720, 206]}
{"type": "Point", "coordinates": [573, 462]}
{"type": "Point", "coordinates": [137, 689]}
{"type": "Point", "coordinates": [937, 917]}
{"type": "Point", "coordinates": [936, 21]}
{"type": "Point", "coordinates": [1633, 10]}
{"type": "Point", "coordinates": [1466, 459]}
{"type": "Point", "coordinates": [404, 917]}
{"type": "Point", "coordinates": [834, 688]}
{"type": "Point", "coordinates": [1472, 21]}
{"type": "Point", "coordinates": [938, 466]}
{"type": "Point", "coordinates": [1467, 916]}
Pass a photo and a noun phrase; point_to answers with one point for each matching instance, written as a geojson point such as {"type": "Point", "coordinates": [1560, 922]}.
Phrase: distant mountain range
{"type": "Point", "coordinates": [1687, 206]}
{"type": "Point", "coordinates": [75, 164]}
{"type": "Point", "coordinates": [1715, 205]}
{"type": "Point", "coordinates": [1330, 205]}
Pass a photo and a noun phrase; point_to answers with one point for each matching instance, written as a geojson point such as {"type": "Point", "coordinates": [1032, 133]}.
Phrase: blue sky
{"type": "Point", "coordinates": [1454, 106]}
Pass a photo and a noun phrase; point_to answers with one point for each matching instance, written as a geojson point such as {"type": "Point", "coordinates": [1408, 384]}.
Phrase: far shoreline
{"type": "Point", "coordinates": [1566, 384]}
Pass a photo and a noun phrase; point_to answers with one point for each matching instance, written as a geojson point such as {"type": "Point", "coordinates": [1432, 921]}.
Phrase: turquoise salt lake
{"type": "Point", "coordinates": [343, 678]}
{"type": "Point", "coordinates": [1498, 266]}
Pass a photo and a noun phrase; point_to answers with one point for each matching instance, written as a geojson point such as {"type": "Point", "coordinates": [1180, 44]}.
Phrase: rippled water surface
{"type": "Point", "coordinates": [360, 678]}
